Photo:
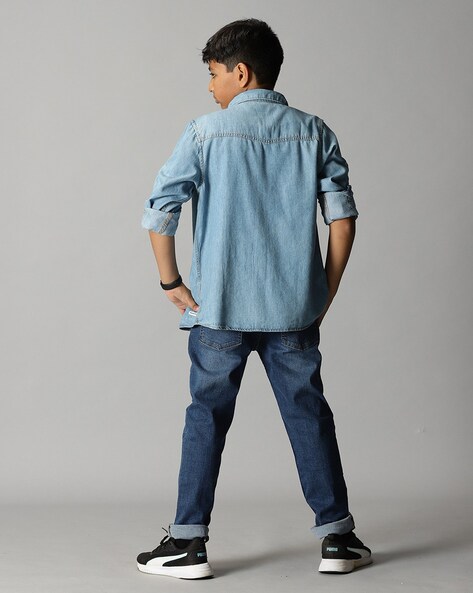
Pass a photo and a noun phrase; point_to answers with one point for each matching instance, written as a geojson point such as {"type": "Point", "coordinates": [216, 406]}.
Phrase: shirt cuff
{"type": "Point", "coordinates": [164, 223]}
{"type": "Point", "coordinates": [337, 204]}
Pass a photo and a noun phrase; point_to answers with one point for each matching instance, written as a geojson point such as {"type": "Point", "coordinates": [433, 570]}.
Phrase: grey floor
{"type": "Point", "coordinates": [418, 545]}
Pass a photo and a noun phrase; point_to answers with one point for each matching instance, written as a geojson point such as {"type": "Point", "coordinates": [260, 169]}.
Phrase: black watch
{"type": "Point", "coordinates": [172, 284]}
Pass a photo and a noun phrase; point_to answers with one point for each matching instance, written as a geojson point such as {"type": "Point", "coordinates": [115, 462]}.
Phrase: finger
{"type": "Point", "coordinates": [192, 304]}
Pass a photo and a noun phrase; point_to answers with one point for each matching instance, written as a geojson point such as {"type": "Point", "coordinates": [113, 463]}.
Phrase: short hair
{"type": "Point", "coordinates": [250, 41]}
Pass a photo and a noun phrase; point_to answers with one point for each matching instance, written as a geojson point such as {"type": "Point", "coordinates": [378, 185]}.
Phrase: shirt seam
{"type": "Point", "coordinates": [199, 152]}
{"type": "Point", "coordinates": [320, 164]}
{"type": "Point", "coordinates": [295, 137]}
{"type": "Point", "coordinates": [259, 99]}
{"type": "Point", "coordinates": [165, 223]}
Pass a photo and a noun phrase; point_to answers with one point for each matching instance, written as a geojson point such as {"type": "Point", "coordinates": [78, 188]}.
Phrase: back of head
{"type": "Point", "coordinates": [250, 41]}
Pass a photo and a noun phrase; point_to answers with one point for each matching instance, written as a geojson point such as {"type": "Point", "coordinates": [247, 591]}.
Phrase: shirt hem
{"type": "Point", "coordinates": [247, 329]}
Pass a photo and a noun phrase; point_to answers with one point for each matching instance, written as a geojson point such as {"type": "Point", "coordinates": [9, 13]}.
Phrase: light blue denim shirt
{"type": "Point", "coordinates": [255, 172]}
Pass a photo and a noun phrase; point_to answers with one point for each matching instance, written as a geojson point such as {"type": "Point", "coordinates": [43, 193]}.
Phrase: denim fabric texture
{"type": "Point", "coordinates": [292, 362]}
{"type": "Point", "coordinates": [255, 173]}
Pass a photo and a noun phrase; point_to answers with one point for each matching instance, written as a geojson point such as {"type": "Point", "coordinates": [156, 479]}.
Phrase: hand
{"type": "Point", "coordinates": [181, 296]}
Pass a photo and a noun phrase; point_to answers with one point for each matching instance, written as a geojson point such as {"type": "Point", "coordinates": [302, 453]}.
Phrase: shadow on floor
{"type": "Point", "coordinates": [223, 567]}
{"type": "Point", "coordinates": [459, 538]}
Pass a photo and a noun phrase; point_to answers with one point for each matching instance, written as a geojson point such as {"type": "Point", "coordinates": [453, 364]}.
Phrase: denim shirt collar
{"type": "Point", "coordinates": [258, 95]}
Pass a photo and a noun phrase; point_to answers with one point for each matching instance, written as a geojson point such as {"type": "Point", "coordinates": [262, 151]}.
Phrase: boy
{"type": "Point", "coordinates": [255, 172]}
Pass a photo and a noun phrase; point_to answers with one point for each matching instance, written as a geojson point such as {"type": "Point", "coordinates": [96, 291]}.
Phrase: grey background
{"type": "Point", "coordinates": [94, 370]}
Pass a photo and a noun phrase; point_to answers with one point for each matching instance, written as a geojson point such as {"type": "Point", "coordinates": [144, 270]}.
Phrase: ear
{"type": "Point", "coordinates": [243, 73]}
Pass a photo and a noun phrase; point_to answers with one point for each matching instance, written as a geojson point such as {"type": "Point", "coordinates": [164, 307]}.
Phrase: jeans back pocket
{"type": "Point", "coordinates": [220, 339]}
{"type": "Point", "coordinates": [302, 339]}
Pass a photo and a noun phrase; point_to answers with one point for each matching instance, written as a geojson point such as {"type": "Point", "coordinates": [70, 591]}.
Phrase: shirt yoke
{"type": "Point", "coordinates": [259, 120]}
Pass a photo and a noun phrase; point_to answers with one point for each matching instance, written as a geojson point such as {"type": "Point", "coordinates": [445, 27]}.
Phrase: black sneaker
{"type": "Point", "coordinates": [343, 553]}
{"type": "Point", "coordinates": [180, 558]}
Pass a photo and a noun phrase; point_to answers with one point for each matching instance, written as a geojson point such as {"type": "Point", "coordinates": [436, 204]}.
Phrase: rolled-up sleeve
{"type": "Point", "coordinates": [176, 182]}
{"type": "Point", "coordinates": [334, 192]}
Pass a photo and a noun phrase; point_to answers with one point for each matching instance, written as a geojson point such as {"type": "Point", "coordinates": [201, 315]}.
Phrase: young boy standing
{"type": "Point", "coordinates": [255, 171]}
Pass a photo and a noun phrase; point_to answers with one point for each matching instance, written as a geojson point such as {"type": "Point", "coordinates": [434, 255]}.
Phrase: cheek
{"type": "Point", "coordinates": [225, 89]}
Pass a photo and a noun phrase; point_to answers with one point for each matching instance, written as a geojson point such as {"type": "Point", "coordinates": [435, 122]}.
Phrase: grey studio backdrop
{"type": "Point", "coordinates": [94, 368]}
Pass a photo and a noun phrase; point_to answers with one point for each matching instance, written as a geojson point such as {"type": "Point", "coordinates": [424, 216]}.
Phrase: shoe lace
{"type": "Point", "coordinates": [165, 541]}
{"type": "Point", "coordinates": [168, 539]}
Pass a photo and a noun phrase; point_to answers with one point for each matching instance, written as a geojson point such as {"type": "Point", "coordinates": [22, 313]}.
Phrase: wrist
{"type": "Point", "coordinates": [173, 284]}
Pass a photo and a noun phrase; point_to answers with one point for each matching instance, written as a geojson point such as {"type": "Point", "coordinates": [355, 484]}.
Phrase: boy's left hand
{"type": "Point", "coordinates": [181, 296]}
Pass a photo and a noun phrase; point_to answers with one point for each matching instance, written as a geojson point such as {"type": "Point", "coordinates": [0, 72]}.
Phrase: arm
{"type": "Point", "coordinates": [165, 254]}
{"type": "Point", "coordinates": [338, 209]}
{"type": "Point", "coordinates": [175, 184]}
{"type": "Point", "coordinates": [340, 241]}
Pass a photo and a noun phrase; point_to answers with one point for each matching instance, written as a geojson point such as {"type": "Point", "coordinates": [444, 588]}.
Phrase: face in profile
{"type": "Point", "coordinates": [225, 85]}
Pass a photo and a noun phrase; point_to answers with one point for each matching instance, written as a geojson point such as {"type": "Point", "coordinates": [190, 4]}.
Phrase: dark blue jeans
{"type": "Point", "coordinates": [292, 362]}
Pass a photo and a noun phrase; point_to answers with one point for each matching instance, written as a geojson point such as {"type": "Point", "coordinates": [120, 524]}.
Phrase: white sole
{"type": "Point", "coordinates": [340, 565]}
{"type": "Point", "coordinates": [193, 571]}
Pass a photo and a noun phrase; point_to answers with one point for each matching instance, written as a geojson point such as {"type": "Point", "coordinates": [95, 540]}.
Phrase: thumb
{"type": "Point", "coordinates": [193, 305]}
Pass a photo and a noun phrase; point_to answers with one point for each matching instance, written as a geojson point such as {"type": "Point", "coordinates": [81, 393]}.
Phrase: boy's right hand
{"type": "Point", "coordinates": [181, 296]}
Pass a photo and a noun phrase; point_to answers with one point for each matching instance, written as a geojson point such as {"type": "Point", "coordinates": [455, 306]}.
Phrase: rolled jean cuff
{"type": "Point", "coordinates": [341, 526]}
{"type": "Point", "coordinates": [188, 531]}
